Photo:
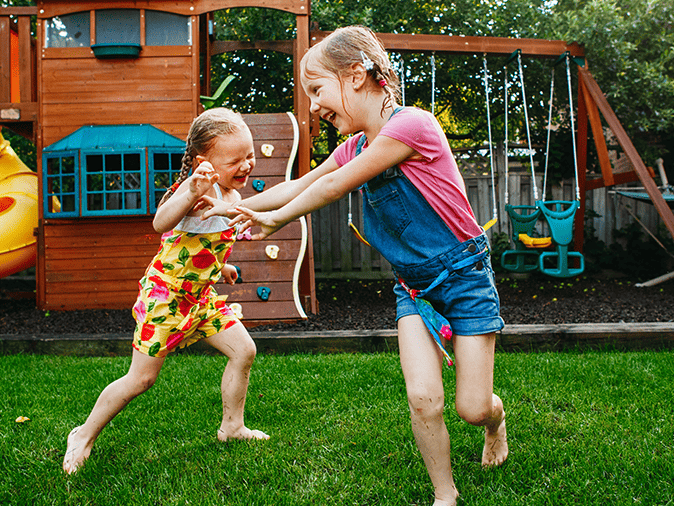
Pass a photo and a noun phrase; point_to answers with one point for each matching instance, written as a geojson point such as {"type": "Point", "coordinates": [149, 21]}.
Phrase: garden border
{"type": "Point", "coordinates": [513, 338]}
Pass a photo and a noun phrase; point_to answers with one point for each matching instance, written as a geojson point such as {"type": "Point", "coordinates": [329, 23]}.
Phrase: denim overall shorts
{"type": "Point", "coordinates": [401, 224]}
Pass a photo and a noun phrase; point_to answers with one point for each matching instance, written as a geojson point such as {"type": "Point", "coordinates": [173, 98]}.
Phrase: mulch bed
{"type": "Point", "coordinates": [370, 305]}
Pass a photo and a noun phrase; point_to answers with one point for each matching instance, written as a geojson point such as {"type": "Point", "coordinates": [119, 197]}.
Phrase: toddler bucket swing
{"type": "Point", "coordinates": [560, 214]}
{"type": "Point", "coordinates": [523, 218]}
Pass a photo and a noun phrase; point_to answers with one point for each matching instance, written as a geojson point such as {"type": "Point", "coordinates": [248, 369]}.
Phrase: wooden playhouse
{"type": "Point", "coordinates": [108, 91]}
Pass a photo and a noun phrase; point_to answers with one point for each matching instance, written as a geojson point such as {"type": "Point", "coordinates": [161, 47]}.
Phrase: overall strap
{"type": "Point", "coordinates": [436, 323]}
{"type": "Point", "coordinates": [380, 179]}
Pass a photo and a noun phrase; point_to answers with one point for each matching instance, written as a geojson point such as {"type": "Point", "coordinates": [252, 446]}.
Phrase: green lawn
{"type": "Point", "coordinates": [592, 428]}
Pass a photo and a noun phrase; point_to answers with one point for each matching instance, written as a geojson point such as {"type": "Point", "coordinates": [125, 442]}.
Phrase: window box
{"type": "Point", "coordinates": [108, 51]}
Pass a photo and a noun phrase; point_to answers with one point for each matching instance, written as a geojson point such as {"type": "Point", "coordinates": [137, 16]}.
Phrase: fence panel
{"type": "Point", "coordinates": [339, 254]}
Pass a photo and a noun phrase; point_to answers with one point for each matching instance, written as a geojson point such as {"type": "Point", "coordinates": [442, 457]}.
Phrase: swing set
{"type": "Point", "coordinates": [530, 253]}
{"type": "Point", "coordinates": [559, 214]}
{"type": "Point", "coordinates": [564, 219]}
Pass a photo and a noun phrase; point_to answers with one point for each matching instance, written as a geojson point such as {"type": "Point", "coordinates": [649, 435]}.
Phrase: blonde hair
{"type": "Point", "coordinates": [344, 47]}
{"type": "Point", "coordinates": [205, 129]}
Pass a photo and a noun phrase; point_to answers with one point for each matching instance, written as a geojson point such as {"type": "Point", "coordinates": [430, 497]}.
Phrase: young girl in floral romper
{"type": "Point", "coordinates": [177, 304]}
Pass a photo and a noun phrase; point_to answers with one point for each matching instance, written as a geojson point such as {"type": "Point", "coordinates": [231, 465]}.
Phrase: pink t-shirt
{"type": "Point", "coordinates": [435, 174]}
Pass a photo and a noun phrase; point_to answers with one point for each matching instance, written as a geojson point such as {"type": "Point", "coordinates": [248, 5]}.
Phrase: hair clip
{"type": "Point", "coordinates": [367, 63]}
{"type": "Point", "coordinates": [382, 82]}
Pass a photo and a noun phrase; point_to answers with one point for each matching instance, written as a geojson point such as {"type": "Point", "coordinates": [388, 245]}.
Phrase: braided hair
{"type": "Point", "coordinates": [344, 47]}
{"type": "Point", "coordinates": [202, 135]}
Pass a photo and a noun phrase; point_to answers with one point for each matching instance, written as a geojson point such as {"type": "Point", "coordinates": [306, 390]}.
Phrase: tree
{"type": "Point", "coordinates": [630, 49]}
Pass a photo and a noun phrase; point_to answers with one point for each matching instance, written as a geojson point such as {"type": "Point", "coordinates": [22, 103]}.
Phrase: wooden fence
{"type": "Point", "coordinates": [339, 254]}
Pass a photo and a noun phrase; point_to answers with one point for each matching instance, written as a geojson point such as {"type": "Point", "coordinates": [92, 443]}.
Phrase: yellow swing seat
{"type": "Point", "coordinates": [535, 242]}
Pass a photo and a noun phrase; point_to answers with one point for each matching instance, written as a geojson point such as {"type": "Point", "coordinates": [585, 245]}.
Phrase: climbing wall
{"type": "Point", "coordinates": [267, 289]}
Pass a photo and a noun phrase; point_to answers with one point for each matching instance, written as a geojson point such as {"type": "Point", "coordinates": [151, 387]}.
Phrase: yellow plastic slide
{"type": "Point", "coordinates": [18, 212]}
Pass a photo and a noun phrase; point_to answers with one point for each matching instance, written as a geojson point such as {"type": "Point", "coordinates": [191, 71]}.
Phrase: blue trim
{"type": "Point", "coordinates": [141, 190]}
{"type": "Point", "coordinates": [152, 172]}
{"type": "Point", "coordinates": [47, 178]}
{"type": "Point", "coordinates": [139, 136]}
{"type": "Point", "coordinates": [144, 140]}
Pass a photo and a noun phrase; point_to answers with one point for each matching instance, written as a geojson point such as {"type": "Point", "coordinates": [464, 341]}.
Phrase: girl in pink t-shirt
{"type": "Point", "coordinates": [417, 215]}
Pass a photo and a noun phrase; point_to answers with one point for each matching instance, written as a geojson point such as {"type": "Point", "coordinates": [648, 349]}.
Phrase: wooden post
{"type": "Point", "coordinates": [629, 149]}
{"type": "Point", "coordinates": [26, 61]}
{"type": "Point", "coordinates": [5, 59]}
{"type": "Point", "coordinates": [307, 284]}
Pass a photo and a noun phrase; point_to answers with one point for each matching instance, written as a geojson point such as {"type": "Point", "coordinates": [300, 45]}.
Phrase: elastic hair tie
{"type": "Point", "coordinates": [382, 82]}
{"type": "Point", "coordinates": [174, 187]}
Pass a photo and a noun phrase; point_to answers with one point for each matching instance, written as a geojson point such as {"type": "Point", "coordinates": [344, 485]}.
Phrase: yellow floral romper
{"type": "Point", "coordinates": [177, 304]}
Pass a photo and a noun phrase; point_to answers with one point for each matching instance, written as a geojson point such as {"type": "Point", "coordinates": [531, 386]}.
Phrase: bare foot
{"type": "Point", "coordinates": [76, 452]}
{"type": "Point", "coordinates": [243, 434]}
{"type": "Point", "coordinates": [447, 502]}
{"type": "Point", "coordinates": [495, 450]}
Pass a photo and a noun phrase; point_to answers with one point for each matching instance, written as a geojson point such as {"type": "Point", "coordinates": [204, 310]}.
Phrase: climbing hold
{"type": "Point", "coordinates": [237, 310]}
{"type": "Point", "coordinates": [267, 150]}
{"type": "Point", "coordinates": [238, 274]}
{"type": "Point", "coordinates": [272, 251]}
{"type": "Point", "coordinates": [263, 292]}
{"type": "Point", "coordinates": [258, 185]}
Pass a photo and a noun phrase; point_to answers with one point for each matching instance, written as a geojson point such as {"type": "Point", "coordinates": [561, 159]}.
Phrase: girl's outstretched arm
{"type": "Point", "coordinates": [282, 193]}
{"type": "Point", "coordinates": [384, 152]}
{"type": "Point", "coordinates": [185, 197]}
{"type": "Point", "coordinates": [272, 198]}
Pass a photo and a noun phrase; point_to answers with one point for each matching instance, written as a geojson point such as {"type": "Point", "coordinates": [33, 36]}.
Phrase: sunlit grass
{"type": "Point", "coordinates": [592, 428]}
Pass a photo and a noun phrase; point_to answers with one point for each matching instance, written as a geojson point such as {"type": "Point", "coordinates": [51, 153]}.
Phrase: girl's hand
{"type": "Point", "coordinates": [265, 221]}
{"type": "Point", "coordinates": [229, 274]}
{"type": "Point", "coordinates": [202, 179]}
{"type": "Point", "coordinates": [215, 207]}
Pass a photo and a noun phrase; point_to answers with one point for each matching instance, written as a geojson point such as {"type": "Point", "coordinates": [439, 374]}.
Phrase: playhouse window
{"type": "Point", "coordinates": [118, 26]}
{"type": "Point", "coordinates": [60, 186]}
{"type": "Point", "coordinates": [69, 30]}
{"type": "Point", "coordinates": [164, 170]}
{"type": "Point", "coordinates": [167, 29]}
{"type": "Point", "coordinates": [113, 184]}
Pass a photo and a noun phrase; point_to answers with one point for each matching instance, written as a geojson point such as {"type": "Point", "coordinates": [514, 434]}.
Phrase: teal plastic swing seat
{"type": "Point", "coordinates": [523, 221]}
{"type": "Point", "coordinates": [560, 215]}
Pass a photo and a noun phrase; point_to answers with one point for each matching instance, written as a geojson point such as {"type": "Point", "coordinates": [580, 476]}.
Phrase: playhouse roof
{"type": "Point", "coordinates": [115, 137]}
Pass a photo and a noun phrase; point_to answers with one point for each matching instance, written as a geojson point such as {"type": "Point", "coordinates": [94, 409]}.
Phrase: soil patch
{"type": "Point", "coordinates": [370, 305]}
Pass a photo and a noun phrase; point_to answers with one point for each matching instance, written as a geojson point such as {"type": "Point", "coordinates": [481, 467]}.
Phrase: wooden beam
{"type": "Point", "coordinates": [599, 140]}
{"type": "Point", "coordinates": [18, 11]}
{"type": "Point", "coordinates": [27, 112]}
{"type": "Point", "coordinates": [621, 178]}
{"type": "Point", "coordinates": [629, 149]}
{"type": "Point", "coordinates": [298, 7]}
{"type": "Point", "coordinates": [26, 61]}
{"type": "Point", "coordinates": [307, 284]}
{"type": "Point", "coordinates": [503, 46]}
{"type": "Point", "coordinates": [5, 59]}
{"type": "Point", "coordinates": [225, 46]}
{"type": "Point", "coordinates": [196, 89]}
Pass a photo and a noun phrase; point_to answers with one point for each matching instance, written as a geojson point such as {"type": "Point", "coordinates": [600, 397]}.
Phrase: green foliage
{"type": "Point", "coordinates": [630, 46]}
{"type": "Point", "coordinates": [24, 148]}
{"type": "Point", "coordinates": [500, 242]}
{"type": "Point", "coordinates": [263, 79]}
